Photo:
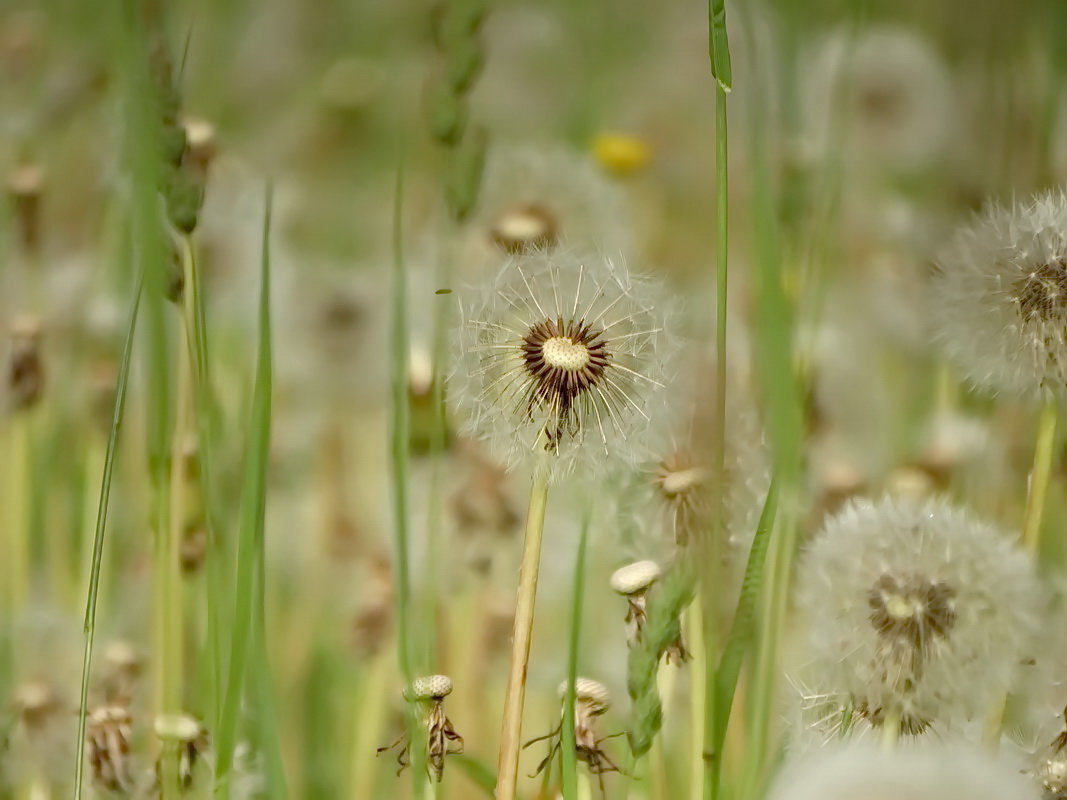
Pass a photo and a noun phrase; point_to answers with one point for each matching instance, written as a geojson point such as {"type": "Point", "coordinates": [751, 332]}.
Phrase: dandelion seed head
{"type": "Point", "coordinates": [890, 98]}
{"type": "Point", "coordinates": [1001, 297]}
{"type": "Point", "coordinates": [934, 771]}
{"type": "Point", "coordinates": [636, 577]}
{"type": "Point", "coordinates": [541, 198]}
{"type": "Point", "coordinates": [561, 353]}
{"type": "Point", "coordinates": [917, 610]}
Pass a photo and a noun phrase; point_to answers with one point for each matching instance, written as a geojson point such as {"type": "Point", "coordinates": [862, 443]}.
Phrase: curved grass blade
{"type": "Point", "coordinates": [122, 382]}
{"type": "Point", "coordinates": [743, 629]}
{"type": "Point", "coordinates": [250, 536]}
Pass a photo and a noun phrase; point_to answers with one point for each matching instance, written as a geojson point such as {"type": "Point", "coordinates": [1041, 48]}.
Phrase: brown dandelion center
{"type": "Point", "coordinates": [564, 360]}
{"type": "Point", "coordinates": [912, 609]}
{"type": "Point", "coordinates": [1042, 294]}
{"type": "Point", "coordinates": [524, 228]}
{"type": "Point", "coordinates": [881, 101]}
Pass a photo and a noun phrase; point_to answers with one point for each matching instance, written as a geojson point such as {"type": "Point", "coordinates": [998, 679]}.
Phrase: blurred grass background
{"type": "Point", "coordinates": [326, 100]}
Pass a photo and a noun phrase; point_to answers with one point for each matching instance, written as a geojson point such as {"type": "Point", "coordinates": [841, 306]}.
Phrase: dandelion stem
{"type": "Point", "coordinates": [891, 728]}
{"type": "Point", "coordinates": [511, 730]}
{"type": "Point", "coordinates": [1039, 477]}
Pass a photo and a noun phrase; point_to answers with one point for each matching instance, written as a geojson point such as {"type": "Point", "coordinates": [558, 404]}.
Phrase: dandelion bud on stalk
{"type": "Point", "coordinates": [919, 614]}
{"type": "Point", "coordinates": [191, 738]}
{"type": "Point", "coordinates": [633, 581]}
{"type": "Point", "coordinates": [441, 738]}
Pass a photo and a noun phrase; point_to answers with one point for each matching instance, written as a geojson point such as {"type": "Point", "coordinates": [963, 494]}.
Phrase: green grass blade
{"type": "Point", "coordinates": [480, 773]}
{"type": "Point", "coordinates": [250, 537]}
{"type": "Point", "coordinates": [743, 629]}
{"type": "Point", "coordinates": [719, 45]}
{"type": "Point", "coordinates": [121, 384]}
{"type": "Point", "coordinates": [568, 748]}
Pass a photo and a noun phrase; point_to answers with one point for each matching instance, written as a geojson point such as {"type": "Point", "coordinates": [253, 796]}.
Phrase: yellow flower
{"type": "Point", "coordinates": [620, 153]}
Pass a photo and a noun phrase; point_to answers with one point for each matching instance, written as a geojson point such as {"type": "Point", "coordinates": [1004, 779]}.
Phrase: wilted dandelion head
{"type": "Point", "coordinates": [1001, 298]}
{"type": "Point", "coordinates": [918, 612]}
{"type": "Point", "coordinates": [934, 771]}
{"type": "Point", "coordinates": [536, 198]}
{"type": "Point", "coordinates": [561, 354]}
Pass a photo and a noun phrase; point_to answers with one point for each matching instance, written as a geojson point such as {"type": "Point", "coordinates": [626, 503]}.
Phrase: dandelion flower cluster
{"type": "Point", "coordinates": [1001, 298]}
{"type": "Point", "coordinates": [920, 614]}
{"type": "Point", "coordinates": [561, 353]}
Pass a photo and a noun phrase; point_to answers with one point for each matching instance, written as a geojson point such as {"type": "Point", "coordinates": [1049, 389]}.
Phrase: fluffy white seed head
{"type": "Point", "coordinates": [1001, 298]}
{"type": "Point", "coordinates": [431, 687]}
{"type": "Point", "coordinates": [589, 692]}
{"type": "Point", "coordinates": [934, 771]}
{"type": "Point", "coordinates": [563, 353]}
{"type": "Point", "coordinates": [537, 199]}
{"type": "Point", "coordinates": [916, 609]}
{"type": "Point", "coordinates": [635, 577]}
{"type": "Point", "coordinates": [883, 98]}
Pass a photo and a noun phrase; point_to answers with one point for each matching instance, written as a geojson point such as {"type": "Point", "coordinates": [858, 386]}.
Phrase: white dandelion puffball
{"type": "Point", "coordinates": [1001, 297]}
{"type": "Point", "coordinates": [918, 613]}
{"type": "Point", "coordinates": [537, 198]}
{"type": "Point", "coordinates": [889, 98]}
{"type": "Point", "coordinates": [561, 353]}
{"type": "Point", "coordinates": [934, 771]}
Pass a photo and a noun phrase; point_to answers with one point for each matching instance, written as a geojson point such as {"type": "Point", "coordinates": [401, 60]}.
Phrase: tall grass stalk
{"type": "Point", "coordinates": [515, 697]}
{"type": "Point", "coordinates": [247, 594]}
{"type": "Point", "coordinates": [569, 754]}
{"type": "Point", "coordinates": [400, 441]}
{"type": "Point", "coordinates": [743, 630]}
{"type": "Point", "coordinates": [195, 326]}
{"type": "Point", "coordinates": [719, 58]}
{"type": "Point", "coordinates": [93, 590]}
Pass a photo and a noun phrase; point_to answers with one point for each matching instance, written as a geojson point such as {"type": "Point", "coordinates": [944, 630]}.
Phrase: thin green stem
{"type": "Point", "coordinates": [89, 627]}
{"type": "Point", "coordinates": [250, 536]}
{"type": "Point", "coordinates": [568, 748]}
{"type": "Point", "coordinates": [1039, 477]}
{"type": "Point", "coordinates": [511, 730]}
{"type": "Point", "coordinates": [711, 561]}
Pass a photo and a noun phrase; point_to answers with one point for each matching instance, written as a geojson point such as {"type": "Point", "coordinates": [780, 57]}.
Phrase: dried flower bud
{"type": "Point", "coordinates": [25, 188]}
{"type": "Point", "coordinates": [37, 701]}
{"type": "Point", "coordinates": [191, 738]}
{"type": "Point", "coordinates": [26, 374]}
{"type": "Point", "coordinates": [108, 743]}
